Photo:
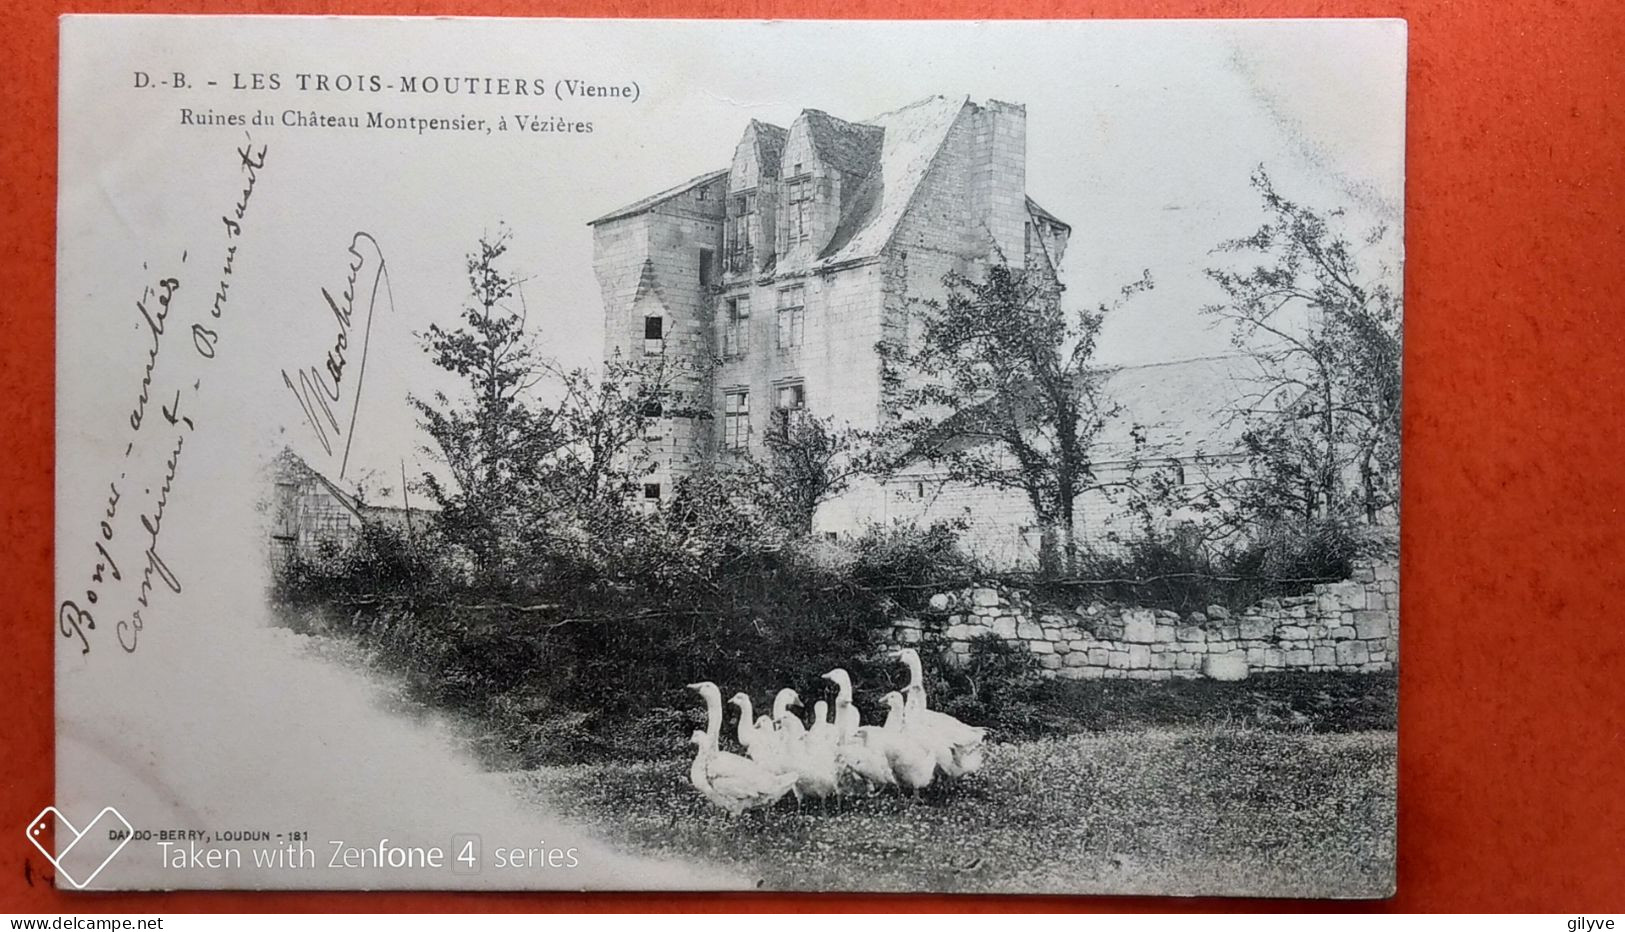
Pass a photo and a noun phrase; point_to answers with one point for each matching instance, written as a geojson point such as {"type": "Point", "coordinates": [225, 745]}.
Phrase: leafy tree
{"type": "Point", "coordinates": [602, 422]}
{"type": "Point", "coordinates": [1323, 428]}
{"type": "Point", "coordinates": [583, 510]}
{"type": "Point", "coordinates": [810, 461]}
{"type": "Point", "coordinates": [535, 485]}
{"type": "Point", "coordinates": [1001, 389]}
{"type": "Point", "coordinates": [490, 442]}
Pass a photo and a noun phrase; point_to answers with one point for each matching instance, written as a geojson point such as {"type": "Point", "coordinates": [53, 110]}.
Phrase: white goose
{"type": "Point", "coordinates": [822, 731]}
{"type": "Point", "coordinates": [912, 762]}
{"type": "Point", "coordinates": [958, 746]}
{"type": "Point", "coordinates": [732, 783]}
{"type": "Point", "coordinates": [783, 701]}
{"type": "Point", "coordinates": [817, 774]}
{"type": "Point", "coordinates": [853, 752]}
{"type": "Point", "coordinates": [757, 736]}
{"type": "Point", "coordinates": [750, 728]}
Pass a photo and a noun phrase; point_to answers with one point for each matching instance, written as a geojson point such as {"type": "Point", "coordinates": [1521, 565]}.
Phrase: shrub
{"type": "Point", "coordinates": [588, 673]}
{"type": "Point", "coordinates": [381, 559]}
{"type": "Point", "coordinates": [997, 684]}
{"type": "Point", "coordinates": [910, 562]}
{"type": "Point", "coordinates": [1179, 571]}
{"type": "Point", "coordinates": [587, 654]}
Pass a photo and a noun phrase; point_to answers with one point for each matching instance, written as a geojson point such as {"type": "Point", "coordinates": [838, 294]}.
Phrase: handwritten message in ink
{"type": "Point", "coordinates": [126, 565]}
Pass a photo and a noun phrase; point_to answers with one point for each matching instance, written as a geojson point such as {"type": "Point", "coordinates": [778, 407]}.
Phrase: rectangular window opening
{"type": "Point", "coordinates": [735, 420]}
{"type": "Point", "coordinates": [654, 336]}
{"type": "Point", "coordinates": [651, 491]}
{"type": "Point", "coordinates": [799, 216]}
{"type": "Point", "coordinates": [789, 405]}
{"type": "Point", "coordinates": [736, 329]}
{"type": "Point", "coordinates": [792, 317]}
{"type": "Point", "coordinates": [792, 397]}
{"type": "Point", "coordinates": [741, 226]}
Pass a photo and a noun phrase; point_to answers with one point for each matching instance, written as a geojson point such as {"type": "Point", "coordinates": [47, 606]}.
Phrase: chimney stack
{"type": "Point", "coordinates": [999, 180]}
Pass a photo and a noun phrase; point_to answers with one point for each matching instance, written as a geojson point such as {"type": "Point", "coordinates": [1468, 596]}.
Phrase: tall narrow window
{"type": "Point", "coordinates": [799, 216]}
{"type": "Point", "coordinates": [707, 262]}
{"type": "Point", "coordinates": [654, 336]}
{"type": "Point", "coordinates": [741, 230]}
{"type": "Point", "coordinates": [735, 420]}
{"type": "Point", "coordinates": [792, 316]}
{"type": "Point", "coordinates": [736, 329]}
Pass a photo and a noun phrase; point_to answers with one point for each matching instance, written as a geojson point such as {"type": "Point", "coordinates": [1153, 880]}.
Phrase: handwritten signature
{"type": "Point", "coordinates": [319, 388]}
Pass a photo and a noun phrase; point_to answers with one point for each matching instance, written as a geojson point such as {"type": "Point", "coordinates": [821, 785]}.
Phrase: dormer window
{"type": "Point", "coordinates": [741, 230]}
{"type": "Point", "coordinates": [798, 216]}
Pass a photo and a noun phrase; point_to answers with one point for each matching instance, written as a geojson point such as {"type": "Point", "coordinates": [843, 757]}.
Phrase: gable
{"type": "Point", "coordinates": [912, 137]}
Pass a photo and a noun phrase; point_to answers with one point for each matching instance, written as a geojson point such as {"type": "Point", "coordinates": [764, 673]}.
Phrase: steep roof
{"type": "Point", "coordinates": [913, 135]}
{"type": "Point", "coordinates": [288, 464]}
{"type": "Point", "coordinates": [892, 152]}
{"type": "Point", "coordinates": [1184, 408]}
{"type": "Point", "coordinates": [638, 207]}
{"type": "Point", "coordinates": [1042, 214]}
{"type": "Point", "coordinates": [769, 144]}
{"type": "Point", "coordinates": [852, 148]}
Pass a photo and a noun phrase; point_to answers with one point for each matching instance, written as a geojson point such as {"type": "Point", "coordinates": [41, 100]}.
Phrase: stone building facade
{"type": "Point", "coordinates": [763, 288]}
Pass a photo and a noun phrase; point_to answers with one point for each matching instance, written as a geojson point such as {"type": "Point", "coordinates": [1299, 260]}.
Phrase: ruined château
{"type": "Point", "coordinates": [764, 287]}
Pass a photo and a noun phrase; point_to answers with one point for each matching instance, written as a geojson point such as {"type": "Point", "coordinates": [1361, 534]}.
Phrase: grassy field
{"type": "Point", "coordinates": [1204, 809]}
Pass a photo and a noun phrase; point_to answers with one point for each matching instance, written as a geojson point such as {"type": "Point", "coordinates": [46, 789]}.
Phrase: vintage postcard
{"type": "Point", "coordinates": [901, 456]}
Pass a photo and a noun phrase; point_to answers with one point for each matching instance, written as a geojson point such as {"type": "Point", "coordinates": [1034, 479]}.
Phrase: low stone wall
{"type": "Point", "coordinates": [1350, 626]}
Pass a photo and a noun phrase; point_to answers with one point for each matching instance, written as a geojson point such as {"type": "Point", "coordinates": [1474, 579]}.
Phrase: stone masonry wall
{"type": "Point", "coordinates": [1348, 626]}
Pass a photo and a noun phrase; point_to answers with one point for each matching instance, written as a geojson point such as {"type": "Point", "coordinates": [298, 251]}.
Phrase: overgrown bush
{"type": "Point", "coordinates": [1178, 571]}
{"type": "Point", "coordinates": [380, 559]}
{"type": "Point", "coordinates": [588, 654]}
{"type": "Point", "coordinates": [997, 684]}
{"type": "Point", "coordinates": [600, 668]}
{"type": "Point", "coordinates": [909, 562]}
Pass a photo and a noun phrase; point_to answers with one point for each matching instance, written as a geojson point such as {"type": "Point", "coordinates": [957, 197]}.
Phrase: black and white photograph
{"type": "Point", "coordinates": [828, 456]}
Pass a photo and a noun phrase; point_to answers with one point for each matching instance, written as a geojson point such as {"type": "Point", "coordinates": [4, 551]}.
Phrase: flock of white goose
{"type": "Point", "coordinates": [830, 756]}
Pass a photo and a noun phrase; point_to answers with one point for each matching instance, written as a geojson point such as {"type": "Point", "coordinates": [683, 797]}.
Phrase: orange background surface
{"type": "Point", "coordinates": [1512, 709]}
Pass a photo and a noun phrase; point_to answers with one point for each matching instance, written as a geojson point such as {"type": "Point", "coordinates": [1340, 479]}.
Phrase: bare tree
{"type": "Point", "coordinates": [1323, 429]}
